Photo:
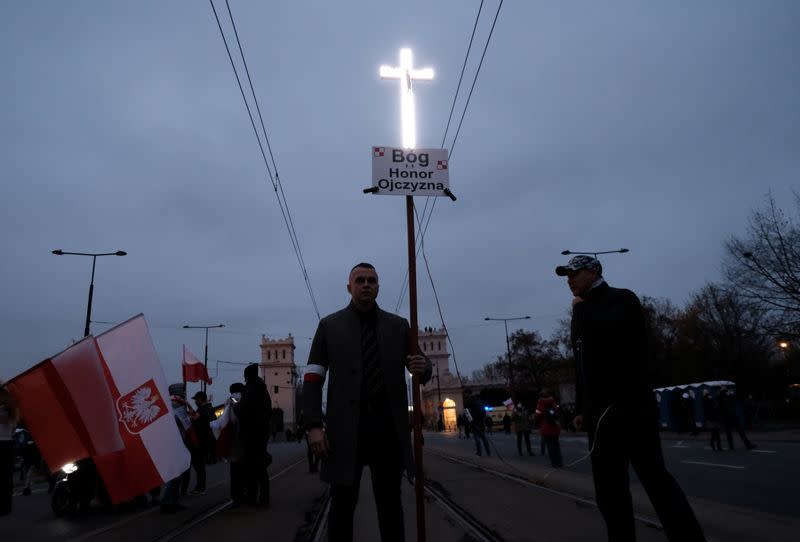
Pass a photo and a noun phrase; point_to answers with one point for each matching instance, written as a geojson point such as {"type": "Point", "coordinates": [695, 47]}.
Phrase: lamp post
{"type": "Point", "coordinates": [593, 253]}
{"type": "Point", "coordinates": [205, 354]}
{"type": "Point", "coordinates": [94, 255]}
{"type": "Point", "coordinates": [508, 344]}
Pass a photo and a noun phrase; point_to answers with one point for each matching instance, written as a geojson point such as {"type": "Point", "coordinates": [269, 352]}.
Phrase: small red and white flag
{"type": "Point", "coordinates": [377, 152]}
{"type": "Point", "coordinates": [194, 370]}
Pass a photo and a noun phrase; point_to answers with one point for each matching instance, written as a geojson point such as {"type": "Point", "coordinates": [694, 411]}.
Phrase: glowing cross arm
{"type": "Point", "coordinates": [388, 72]}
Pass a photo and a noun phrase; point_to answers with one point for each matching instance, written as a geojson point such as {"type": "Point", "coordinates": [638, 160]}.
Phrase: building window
{"type": "Point", "coordinates": [440, 345]}
{"type": "Point", "coordinates": [269, 354]}
{"type": "Point", "coordinates": [275, 389]}
{"type": "Point", "coordinates": [284, 354]}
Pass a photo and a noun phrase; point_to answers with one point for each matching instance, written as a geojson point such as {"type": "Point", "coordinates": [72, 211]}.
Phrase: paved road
{"type": "Point", "coordinates": [765, 479]}
{"type": "Point", "coordinates": [32, 519]}
{"type": "Point", "coordinates": [747, 484]}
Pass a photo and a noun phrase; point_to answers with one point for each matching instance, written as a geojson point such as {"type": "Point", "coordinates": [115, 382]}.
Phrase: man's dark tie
{"type": "Point", "coordinates": [373, 376]}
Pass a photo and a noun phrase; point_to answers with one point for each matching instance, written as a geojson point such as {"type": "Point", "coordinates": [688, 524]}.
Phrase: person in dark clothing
{"type": "Point", "coordinates": [547, 417]}
{"type": "Point", "coordinates": [201, 420]}
{"type": "Point", "coordinates": [522, 426]}
{"type": "Point", "coordinates": [254, 412]}
{"type": "Point", "coordinates": [172, 489]}
{"type": "Point", "coordinates": [507, 424]}
{"type": "Point", "coordinates": [9, 415]}
{"type": "Point", "coordinates": [688, 412]}
{"type": "Point", "coordinates": [727, 405]}
{"type": "Point", "coordinates": [473, 409]}
{"type": "Point", "coordinates": [237, 473]}
{"type": "Point", "coordinates": [609, 341]}
{"type": "Point", "coordinates": [711, 414]}
{"type": "Point", "coordinates": [365, 351]}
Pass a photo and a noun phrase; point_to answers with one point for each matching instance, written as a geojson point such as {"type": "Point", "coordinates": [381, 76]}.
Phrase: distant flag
{"type": "Point", "coordinates": [194, 370]}
{"type": "Point", "coordinates": [509, 403]}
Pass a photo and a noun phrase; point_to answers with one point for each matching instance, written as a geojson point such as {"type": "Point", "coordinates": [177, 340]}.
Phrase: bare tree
{"type": "Point", "coordinates": [720, 337]}
{"type": "Point", "coordinates": [765, 266]}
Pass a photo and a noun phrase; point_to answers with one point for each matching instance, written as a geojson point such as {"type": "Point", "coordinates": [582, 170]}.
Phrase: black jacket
{"type": "Point", "coordinates": [254, 412]}
{"type": "Point", "coordinates": [610, 345]}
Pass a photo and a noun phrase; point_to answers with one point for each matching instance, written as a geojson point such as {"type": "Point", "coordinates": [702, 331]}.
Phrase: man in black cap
{"type": "Point", "coordinates": [612, 395]}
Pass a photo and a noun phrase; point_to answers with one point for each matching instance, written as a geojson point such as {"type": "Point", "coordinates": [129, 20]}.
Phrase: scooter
{"type": "Point", "coordinates": [76, 485]}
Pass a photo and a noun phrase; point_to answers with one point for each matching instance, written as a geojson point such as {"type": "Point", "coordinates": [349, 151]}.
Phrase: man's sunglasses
{"type": "Point", "coordinates": [368, 280]}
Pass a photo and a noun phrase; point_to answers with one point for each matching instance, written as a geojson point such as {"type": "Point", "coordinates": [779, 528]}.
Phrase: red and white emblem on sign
{"type": "Point", "coordinates": [141, 407]}
{"type": "Point", "coordinates": [378, 151]}
{"type": "Point", "coordinates": [441, 164]}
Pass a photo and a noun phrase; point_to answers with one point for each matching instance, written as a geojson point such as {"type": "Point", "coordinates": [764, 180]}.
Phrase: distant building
{"type": "Point", "coordinates": [279, 372]}
{"type": "Point", "coordinates": [444, 388]}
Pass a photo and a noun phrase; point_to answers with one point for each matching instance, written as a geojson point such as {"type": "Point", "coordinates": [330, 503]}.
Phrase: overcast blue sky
{"type": "Point", "coordinates": [656, 126]}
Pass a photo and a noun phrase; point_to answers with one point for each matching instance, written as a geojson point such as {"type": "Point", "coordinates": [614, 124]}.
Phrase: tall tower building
{"type": "Point", "coordinates": [279, 372]}
{"type": "Point", "coordinates": [442, 396]}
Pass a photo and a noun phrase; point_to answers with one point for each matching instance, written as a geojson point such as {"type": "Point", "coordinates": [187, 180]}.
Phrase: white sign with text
{"type": "Point", "coordinates": [410, 172]}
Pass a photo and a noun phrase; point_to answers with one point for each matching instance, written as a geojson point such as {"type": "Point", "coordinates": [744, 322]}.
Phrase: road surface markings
{"type": "Point", "coordinates": [713, 464]}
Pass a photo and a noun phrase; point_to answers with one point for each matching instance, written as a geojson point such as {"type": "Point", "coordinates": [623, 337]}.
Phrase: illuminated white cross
{"type": "Point", "coordinates": [406, 73]}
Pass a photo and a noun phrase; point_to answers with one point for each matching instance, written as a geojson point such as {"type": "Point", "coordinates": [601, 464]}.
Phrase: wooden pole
{"type": "Point", "coordinates": [419, 479]}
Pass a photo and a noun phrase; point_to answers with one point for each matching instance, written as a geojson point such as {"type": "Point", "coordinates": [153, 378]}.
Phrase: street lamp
{"type": "Point", "coordinates": [618, 251]}
{"type": "Point", "coordinates": [205, 355]}
{"type": "Point", "coordinates": [94, 255]}
{"type": "Point", "coordinates": [508, 344]}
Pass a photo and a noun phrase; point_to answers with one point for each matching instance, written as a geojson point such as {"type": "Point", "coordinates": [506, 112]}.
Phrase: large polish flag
{"type": "Point", "coordinates": [154, 451]}
{"type": "Point", "coordinates": [194, 370]}
{"type": "Point", "coordinates": [68, 406]}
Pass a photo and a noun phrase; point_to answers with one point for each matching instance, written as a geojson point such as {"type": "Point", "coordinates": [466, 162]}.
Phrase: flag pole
{"type": "Point", "coordinates": [183, 373]}
{"type": "Point", "coordinates": [419, 479]}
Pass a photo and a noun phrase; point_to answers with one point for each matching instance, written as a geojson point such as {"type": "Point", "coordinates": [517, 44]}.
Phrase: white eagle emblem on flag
{"type": "Point", "coordinates": [141, 407]}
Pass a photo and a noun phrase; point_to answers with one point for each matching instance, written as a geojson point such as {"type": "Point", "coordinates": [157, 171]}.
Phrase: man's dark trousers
{"type": "Point", "coordinates": [199, 464]}
{"type": "Point", "coordinates": [379, 448]}
{"type": "Point", "coordinates": [619, 443]}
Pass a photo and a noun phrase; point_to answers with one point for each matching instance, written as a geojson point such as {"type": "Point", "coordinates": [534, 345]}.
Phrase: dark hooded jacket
{"type": "Point", "coordinates": [254, 412]}
{"type": "Point", "coordinates": [610, 344]}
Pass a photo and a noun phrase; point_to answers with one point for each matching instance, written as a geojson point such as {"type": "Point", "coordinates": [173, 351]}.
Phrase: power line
{"type": "Point", "coordinates": [424, 230]}
{"type": "Point", "coordinates": [282, 203]}
{"type": "Point", "coordinates": [439, 308]}
{"type": "Point", "coordinates": [293, 232]}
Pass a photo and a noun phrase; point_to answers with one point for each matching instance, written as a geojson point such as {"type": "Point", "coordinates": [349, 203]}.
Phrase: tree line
{"type": "Point", "coordinates": [744, 327]}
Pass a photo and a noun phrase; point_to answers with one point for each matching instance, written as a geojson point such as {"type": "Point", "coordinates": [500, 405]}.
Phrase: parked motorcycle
{"type": "Point", "coordinates": [77, 484]}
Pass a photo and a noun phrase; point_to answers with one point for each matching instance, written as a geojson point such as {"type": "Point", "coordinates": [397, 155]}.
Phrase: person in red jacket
{"type": "Point", "coordinates": [546, 417]}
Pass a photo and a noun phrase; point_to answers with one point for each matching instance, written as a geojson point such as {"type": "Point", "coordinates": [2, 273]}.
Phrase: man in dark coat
{"type": "Point", "coordinates": [612, 395]}
{"type": "Point", "coordinates": [730, 420]}
{"type": "Point", "coordinates": [476, 415]}
{"type": "Point", "coordinates": [364, 352]}
{"type": "Point", "coordinates": [254, 412]}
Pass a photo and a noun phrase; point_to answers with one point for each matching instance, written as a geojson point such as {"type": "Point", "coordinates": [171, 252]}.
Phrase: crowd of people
{"type": "Point", "coordinates": [241, 440]}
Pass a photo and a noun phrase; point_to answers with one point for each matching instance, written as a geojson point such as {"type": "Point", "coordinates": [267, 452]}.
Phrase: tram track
{"type": "Point", "coordinates": [215, 510]}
